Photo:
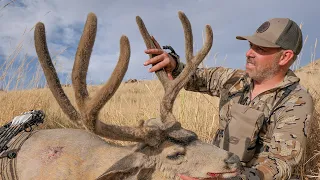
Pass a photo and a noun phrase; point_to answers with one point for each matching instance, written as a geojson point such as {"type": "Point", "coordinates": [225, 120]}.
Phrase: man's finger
{"type": "Point", "coordinates": [153, 60]}
{"type": "Point", "coordinates": [158, 66]}
{"type": "Point", "coordinates": [155, 42]}
{"type": "Point", "coordinates": [154, 51]}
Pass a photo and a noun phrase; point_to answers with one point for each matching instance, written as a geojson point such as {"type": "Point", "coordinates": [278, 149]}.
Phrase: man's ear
{"type": "Point", "coordinates": [286, 57]}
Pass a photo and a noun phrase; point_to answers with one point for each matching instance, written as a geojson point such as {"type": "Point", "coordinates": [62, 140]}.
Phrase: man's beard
{"type": "Point", "coordinates": [260, 73]}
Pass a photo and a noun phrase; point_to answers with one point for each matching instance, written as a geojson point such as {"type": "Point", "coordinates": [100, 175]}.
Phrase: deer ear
{"type": "Point", "coordinates": [133, 166]}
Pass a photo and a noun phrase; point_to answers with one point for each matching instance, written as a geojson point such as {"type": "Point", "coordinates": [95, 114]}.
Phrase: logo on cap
{"type": "Point", "coordinates": [263, 27]}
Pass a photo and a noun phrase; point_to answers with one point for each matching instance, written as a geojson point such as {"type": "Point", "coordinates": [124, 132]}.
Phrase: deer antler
{"type": "Point", "coordinates": [172, 87]}
{"type": "Point", "coordinates": [89, 107]}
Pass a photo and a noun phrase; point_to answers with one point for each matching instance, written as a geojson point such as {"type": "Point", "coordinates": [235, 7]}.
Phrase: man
{"type": "Point", "coordinates": [264, 111]}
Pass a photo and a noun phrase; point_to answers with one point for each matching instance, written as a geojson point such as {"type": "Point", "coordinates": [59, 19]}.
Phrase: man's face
{"type": "Point", "coordinates": [262, 62]}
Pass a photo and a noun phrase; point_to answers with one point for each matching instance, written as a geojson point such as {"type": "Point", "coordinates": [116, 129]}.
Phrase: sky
{"type": "Point", "coordinates": [64, 21]}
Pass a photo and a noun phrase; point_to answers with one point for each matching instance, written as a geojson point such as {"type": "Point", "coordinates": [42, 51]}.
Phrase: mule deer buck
{"type": "Point", "coordinates": [164, 149]}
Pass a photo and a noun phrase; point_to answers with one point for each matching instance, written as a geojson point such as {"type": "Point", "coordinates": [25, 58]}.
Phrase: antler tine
{"type": "Point", "coordinates": [194, 61]}
{"type": "Point", "coordinates": [147, 135]}
{"type": "Point", "coordinates": [106, 92]}
{"type": "Point", "coordinates": [165, 105]}
{"type": "Point", "coordinates": [51, 74]}
{"type": "Point", "coordinates": [82, 59]}
{"type": "Point", "coordinates": [162, 75]}
{"type": "Point", "coordinates": [89, 108]}
{"type": "Point", "coordinates": [188, 38]}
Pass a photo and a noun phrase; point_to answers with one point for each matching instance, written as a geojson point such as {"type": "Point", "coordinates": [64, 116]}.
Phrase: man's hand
{"type": "Point", "coordinates": [162, 60]}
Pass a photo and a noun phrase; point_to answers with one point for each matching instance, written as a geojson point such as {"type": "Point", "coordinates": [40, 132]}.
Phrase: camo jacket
{"type": "Point", "coordinates": [282, 140]}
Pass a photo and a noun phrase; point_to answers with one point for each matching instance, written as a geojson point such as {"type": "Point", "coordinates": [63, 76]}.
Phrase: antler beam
{"type": "Point", "coordinates": [82, 60]}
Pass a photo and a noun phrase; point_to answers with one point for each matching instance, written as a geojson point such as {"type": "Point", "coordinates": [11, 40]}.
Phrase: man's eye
{"type": "Point", "coordinates": [261, 49]}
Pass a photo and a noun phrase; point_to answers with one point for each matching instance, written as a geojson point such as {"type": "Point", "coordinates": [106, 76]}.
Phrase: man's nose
{"type": "Point", "coordinates": [250, 53]}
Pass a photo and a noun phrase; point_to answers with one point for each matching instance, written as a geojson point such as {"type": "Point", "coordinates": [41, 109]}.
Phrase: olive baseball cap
{"type": "Point", "coordinates": [277, 32]}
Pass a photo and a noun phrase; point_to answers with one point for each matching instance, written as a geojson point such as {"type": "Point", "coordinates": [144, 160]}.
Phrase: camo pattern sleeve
{"type": "Point", "coordinates": [291, 125]}
{"type": "Point", "coordinates": [208, 80]}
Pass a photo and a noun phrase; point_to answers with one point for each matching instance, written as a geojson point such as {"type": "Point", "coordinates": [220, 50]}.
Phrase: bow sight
{"type": "Point", "coordinates": [23, 122]}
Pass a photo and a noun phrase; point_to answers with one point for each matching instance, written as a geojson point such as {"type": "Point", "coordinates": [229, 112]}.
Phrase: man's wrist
{"type": "Point", "coordinates": [175, 57]}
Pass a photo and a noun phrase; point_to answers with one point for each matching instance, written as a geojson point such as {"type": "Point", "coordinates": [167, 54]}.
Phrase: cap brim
{"type": "Point", "coordinates": [258, 41]}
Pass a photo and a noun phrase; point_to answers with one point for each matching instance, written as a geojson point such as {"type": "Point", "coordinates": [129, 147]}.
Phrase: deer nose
{"type": "Point", "coordinates": [233, 161]}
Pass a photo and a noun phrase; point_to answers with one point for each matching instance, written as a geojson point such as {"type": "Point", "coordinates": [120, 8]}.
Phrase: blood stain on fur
{"type": "Point", "coordinates": [50, 154]}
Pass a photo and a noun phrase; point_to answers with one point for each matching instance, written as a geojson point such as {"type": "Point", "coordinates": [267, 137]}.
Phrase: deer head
{"type": "Point", "coordinates": [191, 156]}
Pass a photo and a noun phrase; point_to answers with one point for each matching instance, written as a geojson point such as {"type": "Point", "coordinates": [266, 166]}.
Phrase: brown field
{"type": "Point", "coordinates": [140, 100]}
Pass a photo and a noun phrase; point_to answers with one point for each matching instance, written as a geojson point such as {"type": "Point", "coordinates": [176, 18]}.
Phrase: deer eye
{"type": "Point", "coordinates": [176, 155]}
